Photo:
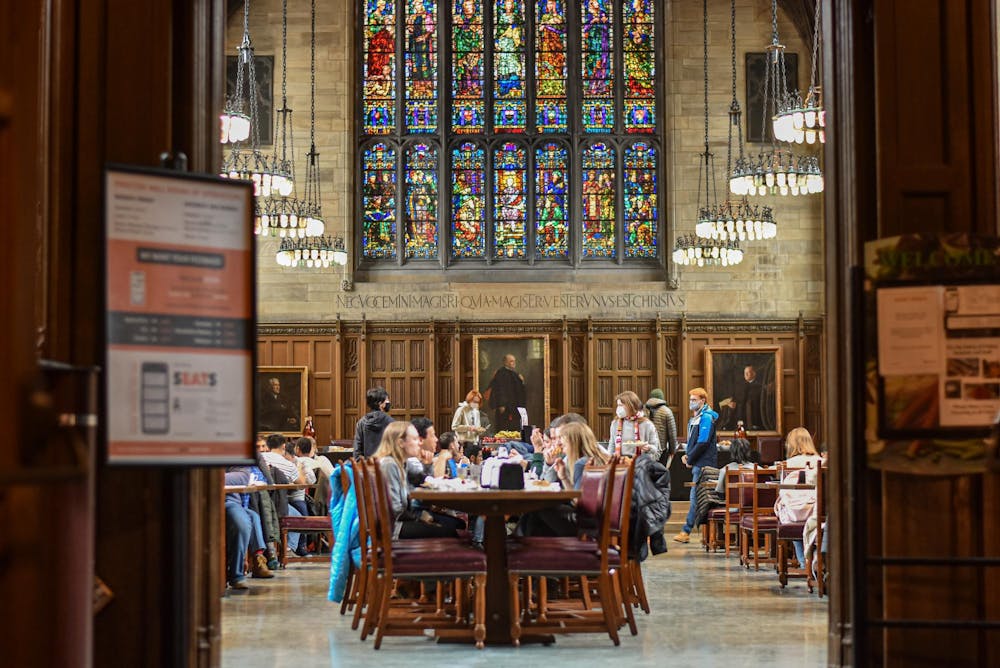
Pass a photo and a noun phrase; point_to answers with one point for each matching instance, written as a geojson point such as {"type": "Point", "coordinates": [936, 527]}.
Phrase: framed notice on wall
{"type": "Point", "coordinates": [179, 280]}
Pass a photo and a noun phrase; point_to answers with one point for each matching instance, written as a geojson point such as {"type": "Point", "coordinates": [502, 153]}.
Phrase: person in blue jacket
{"type": "Point", "coordinates": [701, 450]}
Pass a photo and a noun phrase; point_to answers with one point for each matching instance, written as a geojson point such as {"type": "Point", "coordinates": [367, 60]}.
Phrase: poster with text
{"type": "Point", "coordinates": [933, 371]}
{"type": "Point", "coordinates": [179, 267]}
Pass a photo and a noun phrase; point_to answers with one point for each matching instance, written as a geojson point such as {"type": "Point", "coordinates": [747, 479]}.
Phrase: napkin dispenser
{"type": "Point", "coordinates": [501, 472]}
{"type": "Point", "coordinates": [511, 476]}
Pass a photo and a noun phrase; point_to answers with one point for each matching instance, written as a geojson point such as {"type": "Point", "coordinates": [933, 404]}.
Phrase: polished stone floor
{"type": "Point", "coordinates": [706, 611]}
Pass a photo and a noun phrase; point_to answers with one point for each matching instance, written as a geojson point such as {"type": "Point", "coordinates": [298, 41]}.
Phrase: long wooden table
{"type": "Point", "coordinates": [495, 504]}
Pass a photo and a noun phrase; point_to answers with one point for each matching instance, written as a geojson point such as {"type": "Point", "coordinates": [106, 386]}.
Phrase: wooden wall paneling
{"type": "Point", "coordinates": [353, 394]}
{"type": "Point", "coordinates": [578, 385]}
{"type": "Point", "coordinates": [447, 397]}
{"type": "Point", "coordinates": [673, 393]}
{"type": "Point", "coordinates": [590, 410]}
{"type": "Point", "coordinates": [338, 382]}
{"type": "Point", "coordinates": [565, 346]}
{"type": "Point", "coordinates": [321, 387]}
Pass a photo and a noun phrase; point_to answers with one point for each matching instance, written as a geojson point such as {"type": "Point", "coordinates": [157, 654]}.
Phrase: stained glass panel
{"type": "Point", "coordinates": [550, 66]}
{"type": "Point", "coordinates": [640, 95]}
{"type": "Point", "coordinates": [468, 62]}
{"type": "Point", "coordinates": [598, 164]}
{"type": "Point", "coordinates": [421, 66]}
{"type": "Point", "coordinates": [468, 201]}
{"type": "Point", "coordinates": [378, 194]}
{"type": "Point", "coordinates": [640, 200]}
{"type": "Point", "coordinates": [379, 74]}
{"type": "Point", "coordinates": [551, 201]}
{"type": "Point", "coordinates": [509, 106]}
{"type": "Point", "coordinates": [421, 202]}
{"type": "Point", "coordinates": [597, 43]}
{"type": "Point", "coordinates": [510, 201]}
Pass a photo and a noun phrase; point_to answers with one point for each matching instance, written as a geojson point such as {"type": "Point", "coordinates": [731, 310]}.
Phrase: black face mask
{"type": "Point", "coordinates": [387, 407]}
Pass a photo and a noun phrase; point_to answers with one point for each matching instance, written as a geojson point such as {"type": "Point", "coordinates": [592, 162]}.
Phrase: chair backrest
{"type": "Point", "coordinates": [604, 530]}
{"type": "Point", "coordinates": [733, 490]}
{"type": "Point", "coordinates": [358, 471]}
{"type": "Point", "coordinates": [592, 486]}
{"type": "Point", "coordinates": [621, 504]}
{"type": "Point", "coordinates": [383, 518]}
{"type": "Point", "coordinates": [770, 449]}
{"type": "Point", "coordinates": [745, 486]}
{"type": "Point", "coordinates": [763, 499]}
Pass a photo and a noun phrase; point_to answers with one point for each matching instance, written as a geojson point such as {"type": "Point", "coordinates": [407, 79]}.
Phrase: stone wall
{"type": "Point", "coordinates": [777, 279]}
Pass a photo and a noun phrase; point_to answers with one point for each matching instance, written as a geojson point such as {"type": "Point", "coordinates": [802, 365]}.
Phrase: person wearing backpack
{"type": "Point", "coordinates": [701, 451]}
{"type": "Point", "coordinates": [666, 425]}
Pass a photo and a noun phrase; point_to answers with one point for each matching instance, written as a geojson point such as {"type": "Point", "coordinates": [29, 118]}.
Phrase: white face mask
{"type": "Point", "coordinates": [693, 404]}
{"type": "Point", "coordinates": [620, 411]}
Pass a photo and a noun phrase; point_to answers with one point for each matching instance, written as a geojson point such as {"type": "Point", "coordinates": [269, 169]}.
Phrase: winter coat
{"type": "Point", "coordinates": [666, 426]}
{"type": "Point", "coordinates": [368, 432]}
{"type": "Point", "coordinates": [650, 505]}
{"type": "Point", "coordinates": [346, 549]}
{"type": "Point", "coordinates": [702, 448]}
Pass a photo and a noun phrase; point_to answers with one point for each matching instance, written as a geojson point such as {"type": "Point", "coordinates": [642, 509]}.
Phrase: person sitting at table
{"type": "Point", "coordinates": [800, 453]}
{"type": "Point", "coordinates": [580, 448]}
{"type": "Point", "coordinates": [305, 451]}
{"type": "Point", "coordinates": [243, 532]}
{"type": "Point", "coordinates": [400, 442]}
{"type": "Point", "coordinates": [631, 425]}
{"type": "Point", "coordinates": [449, 456]}
{"type": "Point", "coordinates": [281, 458]}
{"type": "Point", "coordinates": [796, 505]}
{"type": "Point", "coordinates": [553, 448]}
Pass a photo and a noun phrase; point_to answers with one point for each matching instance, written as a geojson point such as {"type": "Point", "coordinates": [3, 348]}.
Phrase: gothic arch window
{"type": "Point", "coordinates": [509, 133]}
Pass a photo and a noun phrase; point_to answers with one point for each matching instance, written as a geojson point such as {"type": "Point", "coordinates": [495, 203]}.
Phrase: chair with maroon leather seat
{"type": "Point", "coordinates": [422, 560]}
{"type": "Point", "coordinates": [788, 532]}
{"type": "Point", "coordinates": [760, 521]}
{"type": "Point", "coordinates": [568, 557]}
{"type": "Point", "coordinates": [305, 524]}
{"type": "Point", "coordinates": [728, 515]}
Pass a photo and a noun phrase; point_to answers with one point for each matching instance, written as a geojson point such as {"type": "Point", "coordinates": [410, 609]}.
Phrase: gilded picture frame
{"type": "Point", "coordinates": [531, 354]}
{"type": "Point", "coordinates": [744, 383]}
{"type": "Point", "coordinates": [283, 412]}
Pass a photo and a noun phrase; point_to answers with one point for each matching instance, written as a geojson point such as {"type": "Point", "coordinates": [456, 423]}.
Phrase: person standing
{"type": "Point", "coordinates": [507, 394]}
{"type": "Point", "coordinates": [701, 451]}
{"type": "Point", "coordinates": [665, 423]}
{"type": "Point", "coordinates": [368, 431]}
{"type": "Point", "coordinates": [468, 422]}
{"type": "Point", "coordinates": [630, 425]}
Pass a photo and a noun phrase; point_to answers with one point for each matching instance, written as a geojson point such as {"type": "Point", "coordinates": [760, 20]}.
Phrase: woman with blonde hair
{"type": "Point", "coordinates": [400, 441]}
{"type": "Point", "coordinates": [580, 448]}
{"type": "Point", "coordinates": [631, 425]}
{"type": "Point", "coordinates": [800, 450]}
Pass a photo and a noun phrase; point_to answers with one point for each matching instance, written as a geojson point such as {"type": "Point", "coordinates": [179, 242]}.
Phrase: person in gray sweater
{"type": "Point", "coordinates": [665, 423]}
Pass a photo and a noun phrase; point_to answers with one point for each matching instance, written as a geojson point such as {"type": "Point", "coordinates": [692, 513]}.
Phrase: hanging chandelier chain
{"type": "Point", "coordinates": [705, 61]}
{"type": "Point", "coordinates": [312, 80]}
{"type": "Point", "coordinates": [734, 105]}
{"type": "Point", "coordinates": [246, 54]}
{"type": "Point", "coordinates": [815, 53]}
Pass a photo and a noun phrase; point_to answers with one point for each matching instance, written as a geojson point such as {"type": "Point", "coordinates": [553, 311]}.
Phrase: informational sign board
{"type": "Point", "coordinates": [179, 278]}
{"type": "Point", "coordinates": [934, 351]}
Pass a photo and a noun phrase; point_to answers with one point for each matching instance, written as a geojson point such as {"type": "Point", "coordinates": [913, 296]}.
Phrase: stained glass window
{"type": "Point", "coordinates": [550, 66]}
{"type": "Point", "coordinates": [640, 200]}
{"type": "Point", "coordinates": [379, 202]}
{"type": "Point", "coordinates": [380, 67]}
{"type": "Point", "coordinates": [509, 106]}
{"type": "Point", "coordinates": [468, 67]}
{"type": "Point", "coordinates": [421, 65]}
{"type": "Point", "coordinates": [510, 201]}
{"type": "Point", "coordinates": [510, 131]}
{"type": "Point", "coordinates": [598, 201]}
{"type": "Point", "coordinates": [597, 42]}
{"type": "Point", "coordinates": [551, 201]}
{"type": "Point", "coordinates": [421, 201]}
{"type": "Point", "coordinates": [640, 94]}
{"type": "Point", "coordinates": [468, 201]}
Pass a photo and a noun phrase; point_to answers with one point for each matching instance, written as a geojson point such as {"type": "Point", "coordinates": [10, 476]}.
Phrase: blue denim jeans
{"type": "Point", "coordinates": [692, 511]}
{"type": "Point", "coordinates": [238, 529]}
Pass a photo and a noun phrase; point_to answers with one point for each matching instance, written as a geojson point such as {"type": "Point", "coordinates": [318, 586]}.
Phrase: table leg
{"type": "Point", "coordinates": [497, 601]}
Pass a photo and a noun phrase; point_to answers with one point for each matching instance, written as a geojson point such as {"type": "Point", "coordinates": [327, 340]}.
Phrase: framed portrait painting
{"type": "Point", "coordinates": [282, 399]}
{"type": "Point", "coordinates": [744, 385]}
{"type": "Point", "coordinates": [512, 372]}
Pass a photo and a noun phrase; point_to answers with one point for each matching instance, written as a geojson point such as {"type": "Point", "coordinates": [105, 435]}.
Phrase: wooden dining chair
{"type": "Point", "coordinates": [569, 557]}
{"type": "Point", "coordinates": [786, 533]}
{"type": "Point", "coordinates": [420, 559]}
{"type": "Point", "coordinates": [760, 521]}
{"type": "Point", "coordinates": [818, 561]}
{"type": "Point", "coordinates": [319, 524]}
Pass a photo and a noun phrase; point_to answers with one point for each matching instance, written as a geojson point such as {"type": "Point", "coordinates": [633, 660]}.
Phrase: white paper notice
{"type": "Point", "coordinates": [524, 415]}
{"type": "Point", "coordinates": [910, 331]}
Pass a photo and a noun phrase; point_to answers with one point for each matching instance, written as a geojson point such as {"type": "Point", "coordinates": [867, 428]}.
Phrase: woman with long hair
{"type": "Point", "coordinates": [631, 425]}
{"type": "Point", "coordinates": [400, 441]}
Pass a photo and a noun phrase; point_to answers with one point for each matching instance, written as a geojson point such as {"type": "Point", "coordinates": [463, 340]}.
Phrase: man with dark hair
{"type": "Point", "coordinates": [368, 432]}
{"type": "Point", "coordinates": [507, 394]}
{"type": "Point", "coordinates": [418, 468]}
{"type": "Point", "coordinates": [305, 453]}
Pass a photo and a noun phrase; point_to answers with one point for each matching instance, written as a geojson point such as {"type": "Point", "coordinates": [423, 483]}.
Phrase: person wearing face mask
{"type": "Point", "coordinates": [470, 422]}
{"type": "Point", "coordinates": [631, 425]}
{"type": "Point", "coordinates": [701, 451]}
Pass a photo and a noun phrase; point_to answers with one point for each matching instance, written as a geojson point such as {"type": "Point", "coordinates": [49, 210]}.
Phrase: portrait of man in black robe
{"type": "Point", "coordinates": [277, 411]}
{"type": "Point", "coordinates": [506, 393]}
